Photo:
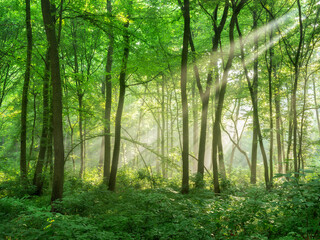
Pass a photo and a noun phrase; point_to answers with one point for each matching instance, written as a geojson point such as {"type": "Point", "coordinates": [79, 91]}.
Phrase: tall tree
{"type": "Point", "coordinates": [58, 175]}
{"type": "Point", "coordinates": [255, 83]}
{"type": "Point", "coordinates": [255, 112]}
{"type": "Point", "coordinates": [236, 7]}
{"type": "Point", "coordinates": [184, 98]}
{"type": "Point", "coordinates": [24, 105]}
{"type": "Point", "coordinates": [108, 102]}
{"type": "Point", "coordinates": [271, 72]}
{"type": "Point", "coordinates": [122, 92]}
{"type": "Point", "coordinates": [205, 94]}
{"type": "Point", "coordinates": [38, 174]}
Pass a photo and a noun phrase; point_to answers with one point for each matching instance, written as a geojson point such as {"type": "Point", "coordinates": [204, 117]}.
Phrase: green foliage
{"type": "Point", "coordinates": [88, 211]}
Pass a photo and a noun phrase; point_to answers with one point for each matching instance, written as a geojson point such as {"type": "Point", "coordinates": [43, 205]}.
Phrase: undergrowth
{"type": "Point", "coordinates": [89, 211]}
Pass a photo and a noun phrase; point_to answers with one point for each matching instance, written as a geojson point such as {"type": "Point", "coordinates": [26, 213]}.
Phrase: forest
{"type": "Point", "coordinates": [159, 119]}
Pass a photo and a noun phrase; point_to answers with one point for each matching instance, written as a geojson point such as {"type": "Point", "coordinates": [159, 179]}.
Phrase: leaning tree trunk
{"type": "Point", "coordinates": [255, 113]}
{"type": "Point", "coordinates": [23, 139]}
{"type": "Point", "coordinates": [38, 174]}
{"type": "Point", "coordinates": [222, 91]}
{"type": "Point", "coordinates": [117, 137]}
{"type": "Point", "coordinates": [58, 175]}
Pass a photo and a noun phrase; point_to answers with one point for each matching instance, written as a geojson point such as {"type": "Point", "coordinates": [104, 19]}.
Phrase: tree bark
{"type": "Point", "coordinates": [24, 105]}
{"type": "Point", "coordinates": [222, 91]}
{"type": "Point", "coordinates": [117, 137]}
{"type": "Point", "coordinates": [255, 114]}
{"type": "Point", "coordinates": [254, 151]}
{"type": "Point", "coordinates": [294, 93]}
{"type": "Point", "coordinates": [184, 99]}
{"type": "Point", "coordinates": [108, 103]}
{"type": "Point", "coordinates": [58, 175]}
{"type": "Point", "coordinates": [270, 69]}
{"type": "Point", "coordinates": [38, 174]}
{"type": "Point", "coordinates": [205, 94]}
{"type": "Point", "coordinates": [195, 127]}
{"type": "Point", "coordinates": [163, 128]}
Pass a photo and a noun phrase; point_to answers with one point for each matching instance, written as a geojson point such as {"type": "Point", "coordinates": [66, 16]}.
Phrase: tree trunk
{"type": "Point", "coordinates": [184, 99]}
{"type": "Point", "coordinates": [270, 68]}
{"type": "Point", "coordinates": [278, 128]}
{"type": "Point", "coordinates": [108, 104]}
{"type": "Point", "coordinates": [256, 124]}
{"type": "Point", "coordinates": [205, 95]}
{"type": "Point", "coordinates": [58, 177]}
{"type": "Point", "coordinates": [195, 127]}
{"type": "Point", "coordinates": [305, 90]}
{"type": "Point", "coordinates": [254, 151]}
{"type": "Point", "coordinates": [163, 128]}
{"type": "Point", "coordinates": [38, 174]}
{"type": "Point", "coordinates": [222, 168]}
{"type": "Point", "coordinates": [33, 126]}
{"type": "Point", "coordinates": [222, 91]}
{"type": "Point", "coordinates": [24, 105]}
{"type": "Point", "coordinates": [81, 134]}
{"type": "Point", "coordinates": [117, 137]}
{"type": "Point", "coordinates": [294, 93]}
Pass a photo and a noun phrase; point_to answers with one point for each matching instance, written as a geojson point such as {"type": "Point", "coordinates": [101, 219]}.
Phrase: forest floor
{"type": "Point", "coordinates": [291, 210]}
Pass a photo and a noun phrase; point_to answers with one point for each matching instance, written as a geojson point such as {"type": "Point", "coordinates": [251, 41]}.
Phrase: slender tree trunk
{"type": "Point", "coordinates": [256, 124]}
{"type": "Point", "coordinates": [289, 139]}
{"type": "Point", "coordinates": [270, 68]}
{"type": "Point", "coordinates": [58, 177]}
{"type": "Point", "coordinates": [117, 137]}
{"type": "Point", "coordinates": [24, 105]}
{"type": "Point", "coordinates": [294, 93]}
{"type": "Point", "coordinates": [222, 91]}
{"type": "Point", "coordinates": [108, 104]}
{"type": "Point", "coordinates": [101, 156]}
{"type": "Point", "coordinates": [305, 90]}
{"type": "Point", "coordinates": [38, 174]}
{"type": "Point", "coordinates": [278, 127]}
{"type": "Point", "coordinates": [222, 168]}
{"type": "Point", "coordinates": [81, 134]}
{"type": "Point", "coordinates": [205, 94]}
{"type": "Point", "coordinates": [80, 95]}
{"type": "Point", "coordinates": [195, 127]}
{"type": "Point", "coordinates": [157, 159]}
{"type": "Point", "coordinates": [49, 158]}
{"type": "Point", "coordinates": [33, 126]}
{"type": "Point", "coordinates": [163, 128]}
{"type": "Point", "coordinates": [254, 151]}
{"type": "Point", "coordinates": [184, 100]}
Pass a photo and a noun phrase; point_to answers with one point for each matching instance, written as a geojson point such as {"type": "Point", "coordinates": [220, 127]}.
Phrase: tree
{"type": "Point", "coordinates": [38, 174]}
{"type": "Point", "coordinates": [236, 7]}
{"type": "Point", "coordinates": [108, 102]}
{"type": "Point", "coordinates": [256, 123]}
{"type": "Point", "coordinates": [184, 98]}
{"type": "Point", "coordinates": [24, 105]}
{"type": "Point", "coordinates": [122, 92]}
{"type": "Point", "coordinates": [213, 72]}
{"type": "Point", "coordinates": [58, 175]}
